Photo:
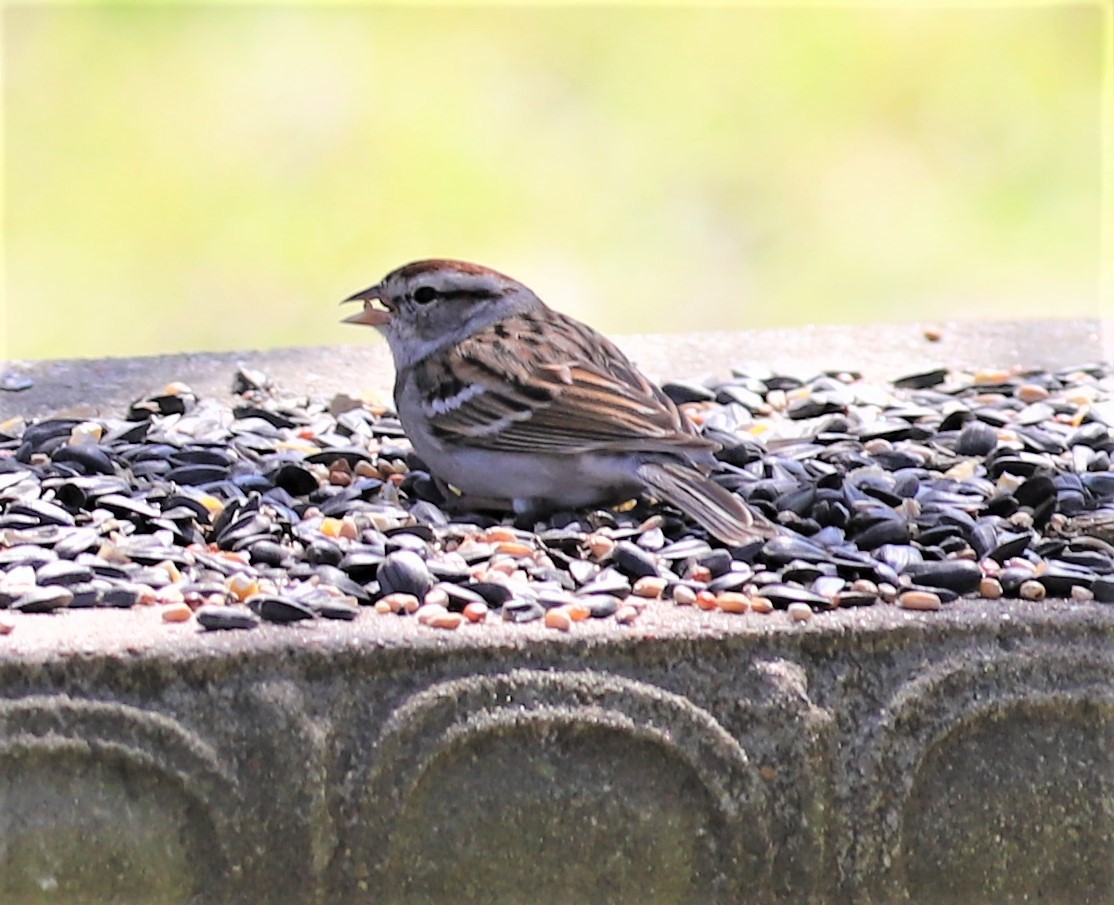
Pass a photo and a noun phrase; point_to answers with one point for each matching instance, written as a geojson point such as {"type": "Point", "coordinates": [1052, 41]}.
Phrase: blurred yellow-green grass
{"type": "Point", "coordinates": [187, 177]}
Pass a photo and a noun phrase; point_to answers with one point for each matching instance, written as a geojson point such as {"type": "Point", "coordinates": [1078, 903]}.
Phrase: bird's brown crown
{"type": "Point", "coordinates": [440, 265]}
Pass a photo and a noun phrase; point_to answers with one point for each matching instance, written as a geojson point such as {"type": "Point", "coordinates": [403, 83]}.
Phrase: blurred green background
{"type": "Point", "coordinates": [188, 177]}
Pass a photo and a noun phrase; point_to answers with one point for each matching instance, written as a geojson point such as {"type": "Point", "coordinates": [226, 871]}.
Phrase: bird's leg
{"type": "Point", "coordinates": [528, 512]}
{"type": "Point", "coordinates": [458, 502]}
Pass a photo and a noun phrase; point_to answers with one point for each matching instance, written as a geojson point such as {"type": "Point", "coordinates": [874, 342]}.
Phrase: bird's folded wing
{"type": "Point", "coordinates": [548, 398]}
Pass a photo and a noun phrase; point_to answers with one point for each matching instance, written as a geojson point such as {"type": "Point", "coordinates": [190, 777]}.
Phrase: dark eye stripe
{"type": "Point", "coordinates": [425, 294]}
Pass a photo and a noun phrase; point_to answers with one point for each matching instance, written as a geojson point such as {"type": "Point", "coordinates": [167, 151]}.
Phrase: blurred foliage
{"type": "Point", "coordinates": [218, 176]}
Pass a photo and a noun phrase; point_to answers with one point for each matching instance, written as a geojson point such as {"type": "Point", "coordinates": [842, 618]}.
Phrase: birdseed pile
{"type": "Point", "coordinates": [942, 485]}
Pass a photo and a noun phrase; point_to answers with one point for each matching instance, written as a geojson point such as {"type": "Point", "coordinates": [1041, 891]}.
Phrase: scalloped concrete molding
{"type": "Point", "coordinates": [870, 756]}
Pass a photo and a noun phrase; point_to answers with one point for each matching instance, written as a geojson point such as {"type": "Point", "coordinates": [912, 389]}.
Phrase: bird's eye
{"type": "Point", "coordinates": [423, 295]}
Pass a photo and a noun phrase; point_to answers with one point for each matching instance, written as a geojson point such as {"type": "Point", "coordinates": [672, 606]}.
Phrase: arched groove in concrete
{"type": "Point", "coordinates": [960, 705]}
{"type": "Point", "coordinates": [469, 720]}
{"type": "Point", "coordinates": [159, 787]}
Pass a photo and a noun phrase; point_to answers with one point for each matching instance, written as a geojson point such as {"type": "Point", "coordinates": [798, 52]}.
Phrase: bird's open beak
{"type": "Point", "coordinates": [371, 317]}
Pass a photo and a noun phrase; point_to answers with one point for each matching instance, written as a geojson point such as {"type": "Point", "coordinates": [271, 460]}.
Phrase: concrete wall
{"type": "Point", "coordinates": [868, 756]}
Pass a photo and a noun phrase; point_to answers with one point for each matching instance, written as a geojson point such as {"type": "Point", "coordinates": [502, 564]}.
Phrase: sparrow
{"type": "Point", "coordinates": [513, 403]}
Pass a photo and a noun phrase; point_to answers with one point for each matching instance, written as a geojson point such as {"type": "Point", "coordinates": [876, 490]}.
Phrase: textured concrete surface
{"type": "Point", "coordinates": [107, 386]}
{"type": "Point", "coordinates": [869, 755]}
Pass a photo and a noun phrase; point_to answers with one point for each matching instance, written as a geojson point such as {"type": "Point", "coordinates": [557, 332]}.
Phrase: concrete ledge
{"type": "Point", "coordinates": [879, 351]}
{"type": "Point", "coordinates": [872, 755]}
{"type": "Point", "coordinates": [868, 755]}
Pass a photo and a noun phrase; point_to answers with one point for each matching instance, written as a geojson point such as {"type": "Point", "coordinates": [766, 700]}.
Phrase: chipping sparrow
{"type": "Point", "coordinates": [510, 401]}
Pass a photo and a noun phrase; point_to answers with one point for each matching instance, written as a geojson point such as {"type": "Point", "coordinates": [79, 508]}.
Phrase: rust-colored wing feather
{"type": "Point", "coordinates": [541, 382]}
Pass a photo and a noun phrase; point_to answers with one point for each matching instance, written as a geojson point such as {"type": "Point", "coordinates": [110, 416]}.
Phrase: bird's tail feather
{"type": "Point", "coordinates": [704, 501]}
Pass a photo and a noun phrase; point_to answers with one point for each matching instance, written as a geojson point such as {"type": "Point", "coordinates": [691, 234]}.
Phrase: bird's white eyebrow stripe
{"type": "Point", "coordinates": [450, 403]}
